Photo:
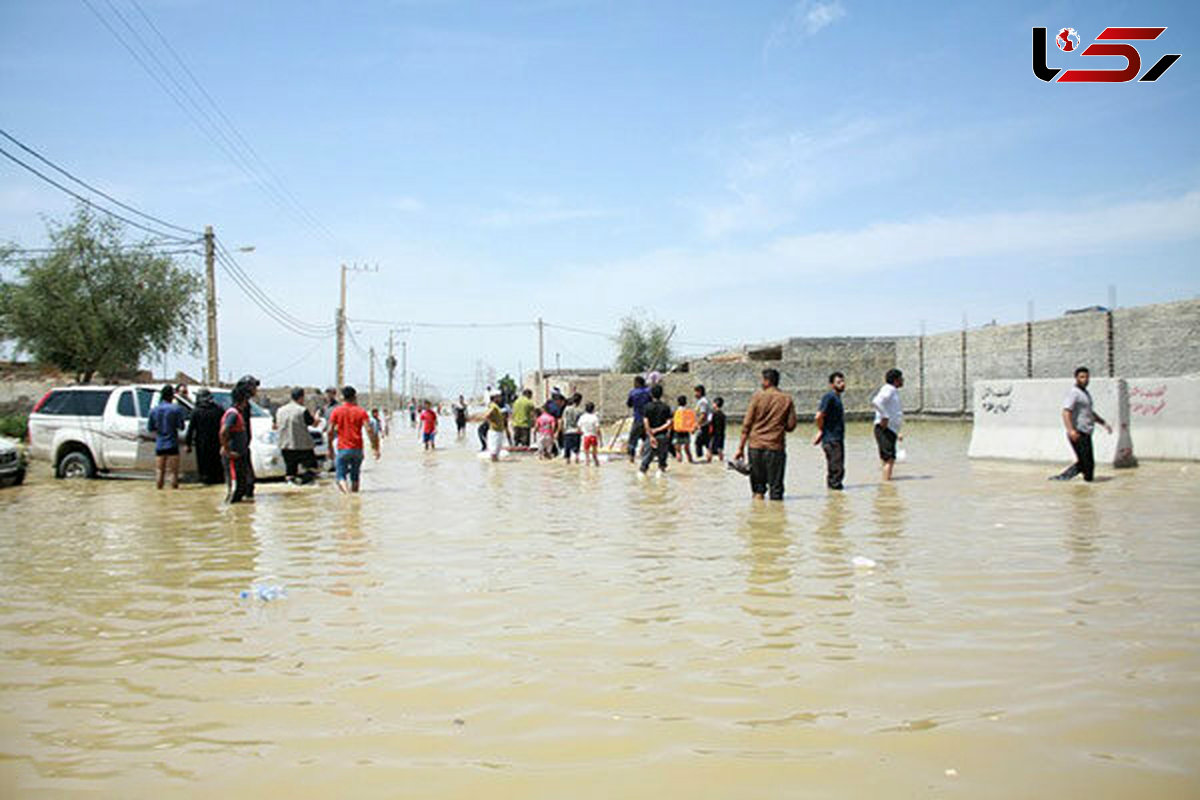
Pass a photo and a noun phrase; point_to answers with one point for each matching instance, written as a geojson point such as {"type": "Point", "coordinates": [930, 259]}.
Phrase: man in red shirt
{"type": "Point", "coordinates": [428, 425]}
{"type": "Point", "coordinates": [347, 423]}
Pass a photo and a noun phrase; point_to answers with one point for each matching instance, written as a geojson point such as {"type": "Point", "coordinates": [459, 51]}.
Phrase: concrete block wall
{"type": "Point", "coordinates": [943, 373]}
{"type": "Point", "coordinates": [1060, 345]}
{"type": "Point", "coordinates": [1157, 340]}
{"type": "Point", "coordinates": [995, 351]}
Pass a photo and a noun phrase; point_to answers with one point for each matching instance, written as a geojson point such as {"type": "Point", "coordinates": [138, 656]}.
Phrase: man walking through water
{"type": "Point", "coordinates": [888, 417]}
{"type": "Point", "coordinates": [831, 431]}
{"type": "Point", "coordinates": [235, 447]}
{"type": "Point", "coordinates": [639, 398]}
{"type": "Point", "coordinates": [166, 421]}
{"type": "Point", "coordinates": [348, 422]}
{"type": "Point", "coordinates": [770, 416]}
{"type": "Point", "coordinates": [1080, 418]}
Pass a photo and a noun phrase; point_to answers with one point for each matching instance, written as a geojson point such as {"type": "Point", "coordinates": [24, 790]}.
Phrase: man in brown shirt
{"type": "Point", "coordinates": [769, 417]}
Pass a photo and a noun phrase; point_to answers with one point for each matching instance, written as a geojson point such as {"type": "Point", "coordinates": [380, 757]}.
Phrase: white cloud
{"type": "Point", "coordinates": [408, 204]}
{"type": "Point", "coordinates": [532, 210]}
{"type": "Point", "coordinates": [1027, 236]}
{"type": "Point", "coordinates": [806, 18]}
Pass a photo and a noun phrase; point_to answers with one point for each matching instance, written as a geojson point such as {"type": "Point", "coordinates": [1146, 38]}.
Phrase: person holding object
{"type": "Point", "coordinates": [831, 431]}
{"type": "Point", "coordinates": [770, 416]}
{"type": "Point", "coordinates": [1080, 418]}
{"type": "Point", "coordinates": [888, 417]}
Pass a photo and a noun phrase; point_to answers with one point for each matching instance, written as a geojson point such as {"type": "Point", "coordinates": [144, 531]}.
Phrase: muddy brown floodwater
{"type": "Point", "coordinates": [464, 629]}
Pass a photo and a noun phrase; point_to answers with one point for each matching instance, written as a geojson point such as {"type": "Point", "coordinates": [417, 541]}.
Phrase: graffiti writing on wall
{"type": "Point", "coordinates": [996, 399]}
{"type": "Point", "coordinates": [1147, 401]}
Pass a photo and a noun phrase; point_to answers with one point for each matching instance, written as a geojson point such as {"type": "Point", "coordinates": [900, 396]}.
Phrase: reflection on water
{"type": "Point", "coordinates": [527, 629]}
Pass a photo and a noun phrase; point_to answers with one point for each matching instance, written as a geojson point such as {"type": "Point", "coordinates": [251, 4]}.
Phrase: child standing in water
{"type": "Point", "coordinates": [683, 425]}
{"type": "Point", "coordinates": [428, 426]}
{"type": "Point", "coordinates": [545, 424]}
{"type": "Point", "coordinates": [716, 441]}
{"type": "Point", "coordinates": [589, 426]}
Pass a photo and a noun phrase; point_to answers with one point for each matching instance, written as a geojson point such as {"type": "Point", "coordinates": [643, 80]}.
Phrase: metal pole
{"type": "Point", "coordinates": [210, 297]}
{"type": "Point", "coordinates": [404, 372]}
{"type": "Point", "coordinates": [341, 334]}
{"type": "Point", "coordinates": [371, 380]}
{"type": "Point", "coordinates": [391, 369]}
{"type": "Point", "coordinates": [541, 375]}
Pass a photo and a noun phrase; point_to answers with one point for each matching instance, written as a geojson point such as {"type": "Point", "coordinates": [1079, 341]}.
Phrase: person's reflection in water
{"type": "Point", "coordinates": [351, 545]}
{"type": "Point", "coordinates": [835, 579]}
{"type": "Point", "coordinates": [890, 516]}
{"type": "Point", "coordinates": [1083, 535]}
{"type": "Point", "coordinates": [768, 589]}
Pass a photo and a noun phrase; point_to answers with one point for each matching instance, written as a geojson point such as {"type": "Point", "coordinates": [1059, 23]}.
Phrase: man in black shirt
{"type": "Point", "coordinates": [657, 424]}
{"type": "Point", "coordinates": [831, 431]}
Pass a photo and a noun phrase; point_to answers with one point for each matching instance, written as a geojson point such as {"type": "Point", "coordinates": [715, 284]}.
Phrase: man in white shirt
{"type": "Point", "coordinates": [889, 415]}
{"type": "Point", "coordinates": [1080, 419]}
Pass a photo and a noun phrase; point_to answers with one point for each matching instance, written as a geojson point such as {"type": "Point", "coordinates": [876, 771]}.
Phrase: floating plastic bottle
{"type": "Point", "coordinates": [265, 592]}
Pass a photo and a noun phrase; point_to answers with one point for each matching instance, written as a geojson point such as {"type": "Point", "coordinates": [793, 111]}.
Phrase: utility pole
{"type": "Point", "coordinates": [403, 370]}
{"type": "Point", "coordinates": [391, 369]}
{"type": "Point", "coordinates": [210, 299]}
{"type": "Point", "coordinates": [371, 382]}
{"type": "Point", "coordinates": [541, 379]}
{"type": "Point", "coordinates": [340, 381]}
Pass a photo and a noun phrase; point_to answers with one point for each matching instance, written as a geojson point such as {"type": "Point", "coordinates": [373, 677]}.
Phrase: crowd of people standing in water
{"type": "Point", "coordinates": [563, 425]}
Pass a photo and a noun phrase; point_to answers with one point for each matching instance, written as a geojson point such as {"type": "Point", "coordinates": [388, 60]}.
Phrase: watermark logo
{"type": "Point", "coordinates": [1067, 39]}
{"type": "Point", "coordinates": [1110, 42]}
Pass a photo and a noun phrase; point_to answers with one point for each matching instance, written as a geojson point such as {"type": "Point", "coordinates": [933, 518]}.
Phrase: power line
{"type": "Point", "coordinates": [229, 123]}
{"type": "Point", "coordinates": [199, 116]}
{"type": "Point", "coordinates": [93, 189]}
{"type": "Point", "coordinates": [255, 295]}
{"type": "Point", "coordinates": [251, 287]}
{"type": "Point", "coordinates": [397, 324]}
{"type": "Point", "coordinates": [91, 204]}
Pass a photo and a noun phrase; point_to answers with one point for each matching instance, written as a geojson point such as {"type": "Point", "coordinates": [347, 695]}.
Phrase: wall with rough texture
{"type": "Point", "coordinates": [997, 350]}
{"type": "Point", "coordinates": [1158, 340]}
{"type": "Point", "coordinates": [943, 374]}
{"type": "Point", "coordinates": [1060, 345]}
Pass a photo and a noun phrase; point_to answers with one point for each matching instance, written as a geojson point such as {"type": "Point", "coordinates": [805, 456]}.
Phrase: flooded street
{"type": "Point", "coordinates": [468, 629]}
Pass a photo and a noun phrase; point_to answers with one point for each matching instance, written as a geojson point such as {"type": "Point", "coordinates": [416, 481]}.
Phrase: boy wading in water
{"type": "Point", "coordinates": [428, 426]}
{"type": "Point", "coordinates": [683, 423]}
{"type": "Point", "coordinates": [716, 440]}
{"type": "Point", "coordinates": [545, 424]}
{"type": "Point", "coordinates": [1080, 418]}
{"type": "Point", "coordinates": [589, 427]}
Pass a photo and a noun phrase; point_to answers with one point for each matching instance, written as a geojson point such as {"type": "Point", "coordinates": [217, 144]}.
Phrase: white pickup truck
{"type": "Point", "coordinates": [86, 430]}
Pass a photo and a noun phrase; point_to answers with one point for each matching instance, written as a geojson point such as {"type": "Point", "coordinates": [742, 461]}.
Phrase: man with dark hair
{"type": "Point", "coordinates": [656, 423]}
{"type": "Point", "coordinates": [166, 421]}
{"type": "Point", "coordinates": [770, 416]}
{"type": "Point", "coordinates": [703, 421]}
{"type": "Point", "coordinates": [235, 447]}
{"type": "Point", "coordinates": [831, 431]}
{"type": "Point", "coordinates": [295, 442]}
{"type": "Point", "coordinates": [889, 414]}
{"type": "Point", "coordinates": [522, 419]}
{"type": "Point", "coordinates": [348, 421]}
{"type": "Point", "coordinates": [1080, 418]}
{"type": "Point", "coordinates": [639, 398]}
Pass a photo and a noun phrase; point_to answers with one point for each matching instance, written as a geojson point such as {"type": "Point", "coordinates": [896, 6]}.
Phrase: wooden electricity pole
{"type": "Point", "coordinates": [210, 299]}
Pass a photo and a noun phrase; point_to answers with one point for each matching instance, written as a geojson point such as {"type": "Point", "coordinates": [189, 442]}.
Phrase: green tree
{"type": "Point", "coordinates": [508, 387]}
{"type": "Point", "coordinates": [96, 304]}
{"type": "Point", "coordinates": [644, 344]}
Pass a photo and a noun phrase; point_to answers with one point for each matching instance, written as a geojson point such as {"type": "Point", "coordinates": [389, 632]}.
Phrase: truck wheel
{"type": "Point", "coordinates": [76, 464]}
{"type": "Point", "coordinates": [18, 478]}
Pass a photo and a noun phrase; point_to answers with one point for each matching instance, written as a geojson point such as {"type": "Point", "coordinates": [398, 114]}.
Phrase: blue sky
{"type": "Point", "coordinates": [747, 171]}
